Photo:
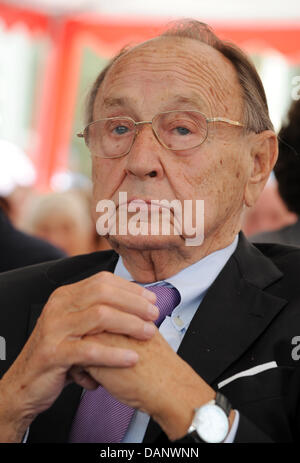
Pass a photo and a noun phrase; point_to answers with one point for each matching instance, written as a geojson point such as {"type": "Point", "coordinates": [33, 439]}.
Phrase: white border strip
{"type": "Point", "coordinates": [249, 372]}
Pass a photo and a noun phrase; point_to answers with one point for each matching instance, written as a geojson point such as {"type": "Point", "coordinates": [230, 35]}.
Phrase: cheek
{"type": "Point", "coordinates": [200, 180]}
{"type": "Point", "coordinates": [232, 185]}
{"type": "Point", "coordinates": [106, 176]}
{"type": "Point", "coordinates": [220, 183]}
{"type": "Point", "coordinates": [99, 169]}
{"type": "Point", "coordinates": [233, 175]}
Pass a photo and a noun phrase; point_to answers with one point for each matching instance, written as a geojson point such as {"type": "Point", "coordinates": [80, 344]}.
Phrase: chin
{"type": "Point", "coordinates": [145, 242]}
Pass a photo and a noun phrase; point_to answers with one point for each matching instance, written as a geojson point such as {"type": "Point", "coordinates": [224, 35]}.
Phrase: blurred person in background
{"type": "Point", "coordinates": [63, 219]}
{"type": "Point", "coordinates": [17, 176]}
{"type": "Point", "coordinates": [269, 213]}
{"type": "Point", "coordinates": [18, 249]}
{"type": "Point", "coordinates": [287, 172]}
{"type": "Point", "coordinates": [81, 184]}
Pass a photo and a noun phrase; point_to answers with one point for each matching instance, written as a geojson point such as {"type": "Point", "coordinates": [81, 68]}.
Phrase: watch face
{"type": "Point", "coordinates": [211, 423]}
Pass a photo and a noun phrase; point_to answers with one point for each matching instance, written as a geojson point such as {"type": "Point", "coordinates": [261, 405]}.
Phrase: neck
{"type": "Point", "coordinates": [148, 266]}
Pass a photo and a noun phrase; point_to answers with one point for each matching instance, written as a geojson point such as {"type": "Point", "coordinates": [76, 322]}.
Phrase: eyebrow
{"type": "Point", "coordinates": [111, 102]}
{"type": "Point", "coordinates": [193, 100]}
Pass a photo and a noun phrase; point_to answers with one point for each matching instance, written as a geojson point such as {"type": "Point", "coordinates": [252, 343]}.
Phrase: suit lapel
{"type": "Point", "coordinates": [233, 314]}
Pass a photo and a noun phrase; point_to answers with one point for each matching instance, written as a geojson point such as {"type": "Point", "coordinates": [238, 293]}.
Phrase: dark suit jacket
{"type": "Point", "coordinates": [286, 235]}
{"type": "Point", "coordinates": [17, 249]}
{"type": "Point", "coordinates": [248, 317]}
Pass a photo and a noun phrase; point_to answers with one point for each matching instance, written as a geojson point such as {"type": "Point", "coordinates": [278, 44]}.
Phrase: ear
{"type": "Point", "coordinates": [264, 153]}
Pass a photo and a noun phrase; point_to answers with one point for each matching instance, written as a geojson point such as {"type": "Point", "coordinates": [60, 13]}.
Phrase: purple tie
{"type": "Point", "coordinates": [102, 418]}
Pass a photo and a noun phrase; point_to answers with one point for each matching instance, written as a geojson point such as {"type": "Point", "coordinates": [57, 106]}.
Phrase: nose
{"type": "Point", "coordinates": [144, 158]}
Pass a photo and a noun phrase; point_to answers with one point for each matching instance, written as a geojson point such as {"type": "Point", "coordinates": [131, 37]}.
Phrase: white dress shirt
{"type": "Point", "coordinates": [192, 284]}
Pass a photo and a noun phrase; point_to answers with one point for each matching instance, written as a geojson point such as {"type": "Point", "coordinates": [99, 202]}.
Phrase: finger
{"type": "Point", "coordinates": [82, 378]}
{"type": "Point", "coordinates": [100, 318]}
{"type": "Point", "coordinates": [113, 290]}
{"type": "Point", "coordinates": [87, 352]}
{"type": "Point", "coordinates": [126, 301]}
{"type": "Point", "coordinates": [119, 282]}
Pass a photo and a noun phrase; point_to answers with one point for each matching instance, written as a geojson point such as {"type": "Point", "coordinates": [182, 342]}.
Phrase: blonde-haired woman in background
{"type": "Point", "coordinates": [64, 219]}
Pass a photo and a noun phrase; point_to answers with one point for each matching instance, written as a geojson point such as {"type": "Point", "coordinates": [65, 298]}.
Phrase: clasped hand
{"type": "Point", "coordinates": [100, 331]}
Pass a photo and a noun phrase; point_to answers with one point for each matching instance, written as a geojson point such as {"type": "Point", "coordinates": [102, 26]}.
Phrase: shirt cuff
{"type": "Point", "coordinates": [232, 433]}
{"type": "Point", "coordinates": [26, 436]}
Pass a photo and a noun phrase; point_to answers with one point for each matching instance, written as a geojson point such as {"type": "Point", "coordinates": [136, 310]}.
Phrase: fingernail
{"type": "Point", "coordinates": [149, 329]}
{"type": "Point", "coordinates": [150, 295]}
{"type": "Point", "coordinates": [130, 357]}
{"type": "Point", "coordinates": [153, 311]}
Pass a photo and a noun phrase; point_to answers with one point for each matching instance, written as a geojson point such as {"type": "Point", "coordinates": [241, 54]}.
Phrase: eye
{"type": "Point", "coordinates": [182, 130]}
{"type": "Point", "coordinates": [180, 127]}
{"type": "Point", "coordinates": [120, 129]}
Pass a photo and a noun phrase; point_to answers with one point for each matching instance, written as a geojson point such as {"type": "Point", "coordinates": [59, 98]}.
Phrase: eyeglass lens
{"type": "Point", "coordinates": [176, 130]}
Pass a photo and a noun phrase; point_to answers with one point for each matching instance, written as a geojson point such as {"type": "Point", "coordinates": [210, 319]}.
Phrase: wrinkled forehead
{"type": "Point", "coordinates": [195, 65]}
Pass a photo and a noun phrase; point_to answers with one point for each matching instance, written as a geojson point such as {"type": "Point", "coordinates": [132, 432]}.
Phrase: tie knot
{"type": "Point", "coordinates": [167, 298]}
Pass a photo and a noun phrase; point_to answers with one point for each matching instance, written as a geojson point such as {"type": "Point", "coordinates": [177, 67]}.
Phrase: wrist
{"type": "Point", "coordinates": [174, 420]}
{"type": "Point", "coordinates": [14, 420]}
{"type": "Point", "coordinates": [176, 414]}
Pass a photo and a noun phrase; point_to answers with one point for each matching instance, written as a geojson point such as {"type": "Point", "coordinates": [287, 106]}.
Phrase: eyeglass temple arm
{"type": "Point", "coordinates": [224, 119]}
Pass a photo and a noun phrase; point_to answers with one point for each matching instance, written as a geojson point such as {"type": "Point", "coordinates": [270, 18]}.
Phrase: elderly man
{"type": "Point", "coordinates": [180, 117]}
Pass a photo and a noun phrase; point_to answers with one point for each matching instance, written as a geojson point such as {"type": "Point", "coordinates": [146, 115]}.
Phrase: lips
{"type": "Point", "coordinates": [139, 202]}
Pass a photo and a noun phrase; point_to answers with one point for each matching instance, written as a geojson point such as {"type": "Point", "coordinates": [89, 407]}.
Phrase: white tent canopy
{"type": "Point", "coordinates": [229, 10]}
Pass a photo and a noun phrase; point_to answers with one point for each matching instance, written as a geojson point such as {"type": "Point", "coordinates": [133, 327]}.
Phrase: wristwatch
{"type": "Point", "coordinates": [210, 422]}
